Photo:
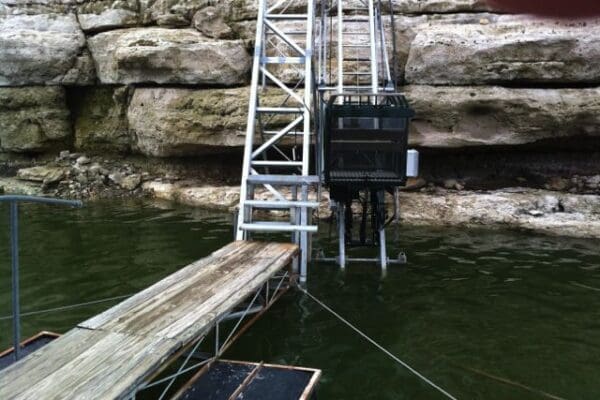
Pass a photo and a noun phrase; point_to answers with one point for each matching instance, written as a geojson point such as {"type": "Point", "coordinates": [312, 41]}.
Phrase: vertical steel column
{"type": "Point", "coordinates": [251, 121]}
{"type": "Point", "coordinates": [382, 249]}
{"type": "Point", "coordinates": [304, 237]}
{"type": "Point", "coordinates": [14, 251]}
{"type": "Point", "coordinates": [373, 38]}
{"type": "Point", "coordinates": [340, 28]}
{"type": "Point", "coordinates": [308, 97]}
{"type": "Point", "coordinates": [295, 219]}
{"type": "Point", "coordinates": [13, 201]}
{"type": "Point", "coordinates": [341, 216]}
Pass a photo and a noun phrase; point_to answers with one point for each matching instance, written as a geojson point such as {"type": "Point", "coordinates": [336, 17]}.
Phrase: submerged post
{"type": "Point", "coordinates": [14, 253]}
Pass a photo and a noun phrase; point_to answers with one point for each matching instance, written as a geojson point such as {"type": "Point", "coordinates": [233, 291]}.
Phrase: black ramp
{"type": "Point", "coordinates": [277, 384]}
{"type": "Point", "coordinates": [219, 382]}
{"type": "Point", "coordinates": [269, 383]}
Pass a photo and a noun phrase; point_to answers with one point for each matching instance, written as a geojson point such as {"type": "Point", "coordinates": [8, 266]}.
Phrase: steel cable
{"type": "Point", "coordinates": [380, 347]}
{"type": "Point", "coordinates": [68, 307]}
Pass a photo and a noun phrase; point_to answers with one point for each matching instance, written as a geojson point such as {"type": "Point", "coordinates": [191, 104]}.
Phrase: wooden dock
{"type": "Point", "coordinates": [110, 355]}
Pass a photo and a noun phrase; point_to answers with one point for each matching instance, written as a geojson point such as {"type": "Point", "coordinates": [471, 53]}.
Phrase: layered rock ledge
{"type": "Point", "coordinates": [536, 210]}
{"type": "Point", "coordinates": [151, 90]}
{"type": "Point", "coordinates": [518, 52]}
{"type": "Point", "coordinates": [160, 55]}
{"type": "Point", "coordinates": [43, 49]}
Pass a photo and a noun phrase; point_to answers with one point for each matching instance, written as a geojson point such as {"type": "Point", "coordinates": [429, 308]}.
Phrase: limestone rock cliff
{"type": "Point", "coordinates": [186, 122]}
{"type": "Point", "coordinates": [508, 53]}
{"type": "Point", "coordinates": [163, 56]}
{"type": "Point", "coordinates": [166, 81]}
{"type": "Point", "coordinates": [43, 49]}
{"type": "Point", "coordinates": [33, 119]}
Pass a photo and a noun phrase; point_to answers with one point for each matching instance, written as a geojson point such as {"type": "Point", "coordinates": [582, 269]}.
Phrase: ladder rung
{"type": "Point", "coordinates": [358, 73]}
{"type": "Point", "coordinates": [280, 110]}
{"type": "Point", "coordinates": [287, 16]}
{"type": "Point", "coordinates": [357, 45]}
{"type": "Point", "coordinates": [354, 87]}
{"type": "Point", "coordinates": [272, 204]}
{"type": "Point", "coordinates": [262, 163]}
{"type": "Point", "coordinates": [291, 133]}
{"type": "Point", "coordinates": [283, 179]}
{"type": "Point", "coordinates": [349, 87]}
{"type": "Point", "coordinates": [277, 227]}
{"type": "Point", "coordinates": [356, 19]}
{"type": "Point", "coordinates": [283, 60]}
{"type": "Point", "coordinates": [356, 59]}
{"type": "Point", "coordinates": [357, 33]}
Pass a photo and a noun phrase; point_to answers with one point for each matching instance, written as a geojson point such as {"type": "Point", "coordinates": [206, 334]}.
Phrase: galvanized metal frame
{"type": "Point", "coordinates": [268, 69]}
{"type": "Point", "coordinates": [275, 51]}
{"type": "Point", "coordinates": [257, 305]}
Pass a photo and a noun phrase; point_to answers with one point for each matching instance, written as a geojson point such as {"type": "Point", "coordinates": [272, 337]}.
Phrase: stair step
{"type": "Point", "coordinates": [353, 87]}
{"type": "Point", "coordinates": [280, 110]}
{"type": "Point", "coordinates": [277, 227]}
{"type": "Point", "coordinates": [267, 163]}
{"type": "Point", "coordinates": [283, 60]}
{"type": "Point", "coordinates": [297, 17]}
{"type": "Point", "coordinates": [357, 19]}
{"type": "Point", "coordinates": [276, 204]}
{"type": "Point", "coordinates": [283, 179]}
{"type": "Point", "coordinates": [292, 133]}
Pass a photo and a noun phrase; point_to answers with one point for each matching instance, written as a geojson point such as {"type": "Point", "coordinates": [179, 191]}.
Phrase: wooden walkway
{"type": "Point", "coordinates": [109, 355]}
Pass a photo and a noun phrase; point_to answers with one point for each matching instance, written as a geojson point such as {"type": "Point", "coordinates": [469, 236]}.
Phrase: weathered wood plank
{"type": "Point", "coordinates": [17, 378]}
{"type": "Point", "coordinates": [175, 312]}
{"type": "Point", "coordinates": [207, 282]}
{"type": "Point", "coordinates": [183, 274]}
{"type": "Point", "coordinates": [107, 356]}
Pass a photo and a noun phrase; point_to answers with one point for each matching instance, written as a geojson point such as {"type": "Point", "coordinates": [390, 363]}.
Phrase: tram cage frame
{"type": "Point", "coordinates": [378, 128]}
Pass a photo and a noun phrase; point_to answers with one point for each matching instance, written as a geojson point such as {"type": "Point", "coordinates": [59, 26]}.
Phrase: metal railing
{"type": "Point", "coordinates": [13, 201]}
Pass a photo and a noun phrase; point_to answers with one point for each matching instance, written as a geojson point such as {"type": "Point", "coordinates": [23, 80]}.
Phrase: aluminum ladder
{"type": "Point", "coordinates": [276, 171]}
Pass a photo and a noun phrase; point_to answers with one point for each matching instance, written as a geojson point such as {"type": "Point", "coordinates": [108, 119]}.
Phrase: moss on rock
{"type": "Point", "coordinates": [33, 119]}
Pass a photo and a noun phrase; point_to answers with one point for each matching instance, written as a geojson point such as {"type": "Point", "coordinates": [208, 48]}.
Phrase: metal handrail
{"type": "Point", "coordinates": [13, 201]}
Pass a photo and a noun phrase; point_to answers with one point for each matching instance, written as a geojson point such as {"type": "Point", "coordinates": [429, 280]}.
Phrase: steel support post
{"type": "Point", "coordinates": [13, 201]}
{"type": "Point", "coordinates": [295, 219]}
{"type": "Point", "coordinates": [373, 39]}
{"type": "Point", "coordinates": [341, 217]}
{"type": "Point", "coordinates": [304, 237]}
{"type": "Point", "coordinates": [251, 120]}
{"type": "Point", "coordinates": [14, 251]}
{"type": "Point", "coordinates": [382, 249]}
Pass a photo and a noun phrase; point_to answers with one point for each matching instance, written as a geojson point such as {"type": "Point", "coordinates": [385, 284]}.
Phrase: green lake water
{"type": "Point", "coordinates": [484, 314]}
